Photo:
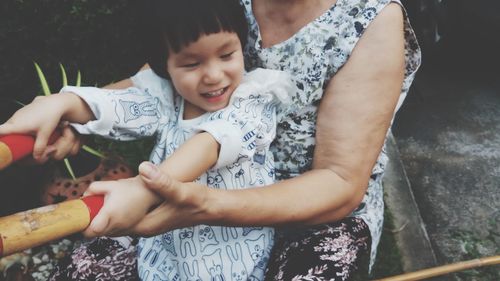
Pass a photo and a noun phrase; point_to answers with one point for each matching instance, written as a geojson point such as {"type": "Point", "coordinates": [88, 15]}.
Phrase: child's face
{"type": "Point", "coordinates": [206, 72]}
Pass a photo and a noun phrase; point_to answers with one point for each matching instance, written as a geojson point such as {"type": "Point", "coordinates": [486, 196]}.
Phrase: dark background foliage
{"type": "Point", "coordinates": [99, 38]}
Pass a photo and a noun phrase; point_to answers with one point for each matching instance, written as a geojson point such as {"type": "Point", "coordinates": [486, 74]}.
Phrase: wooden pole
{"type": "Point", "coordinates": [38, 226]}
{"type": "Point", "coordinates": [445, 269]}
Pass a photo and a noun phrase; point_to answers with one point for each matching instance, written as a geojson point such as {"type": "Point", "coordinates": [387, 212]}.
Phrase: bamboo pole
{"type": "Point", "coordinates": [38, 226]}
{"type": "Point", "coordinates": [445, 269]}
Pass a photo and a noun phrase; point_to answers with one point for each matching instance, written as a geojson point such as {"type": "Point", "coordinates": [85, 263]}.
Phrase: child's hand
{"type": "Point", "coordinates": [126, 202]}
{"type": "Point", "coordinates": [40, 118]}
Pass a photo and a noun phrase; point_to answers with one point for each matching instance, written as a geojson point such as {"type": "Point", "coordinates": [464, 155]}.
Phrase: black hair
{"type": "Point", "coordinates": [174, 24]}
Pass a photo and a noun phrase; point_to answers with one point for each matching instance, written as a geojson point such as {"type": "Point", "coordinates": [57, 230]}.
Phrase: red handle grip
{"type": "Point", "coordinates": [17, 146]}
{"type": "Point", "coordinates": [94, 203]}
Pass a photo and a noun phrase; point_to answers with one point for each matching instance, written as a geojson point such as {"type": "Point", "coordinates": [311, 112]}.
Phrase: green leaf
{"type": "Point", "coordinates": [19, 103]}
{"type": "Point", "coordinates": [63, 74]}
{"type": "Point", "coordinates": [43, 81]}
{"type": "Point", "coordinates": [78, 79]}
{"type": "Point", "coordinates": [93, 151]}
{"type": "Point", "coordinates": [13, 101]}
{"type": "Point", "coordinates": [68, 167]}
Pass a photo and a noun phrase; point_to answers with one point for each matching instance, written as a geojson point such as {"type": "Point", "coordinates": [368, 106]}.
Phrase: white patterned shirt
{"type": "Point", "coordinates": [244, 129]}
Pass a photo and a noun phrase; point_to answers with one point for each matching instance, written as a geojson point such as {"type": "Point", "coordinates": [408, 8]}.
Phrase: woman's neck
{"type": "Point", "coordinates": [287, 8]}
{"type": "Point", "coordinates": [280, 19]}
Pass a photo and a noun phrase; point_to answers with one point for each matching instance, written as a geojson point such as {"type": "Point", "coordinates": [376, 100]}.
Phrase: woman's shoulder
{"type": "Point", "coordinates": [357, 13]}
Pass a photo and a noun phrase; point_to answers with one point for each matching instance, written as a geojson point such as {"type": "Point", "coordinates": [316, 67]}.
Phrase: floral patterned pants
{"type": "Point", "coordinates": [337, 251]}
{"type": "Point", "coordinates": [326, 252]}
{"type": "Point", "coordinates": [100, 259]}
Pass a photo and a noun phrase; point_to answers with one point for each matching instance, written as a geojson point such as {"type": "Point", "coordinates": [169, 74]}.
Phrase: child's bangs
{"type": "Point", "coordinates": [187, 23]}
{"type": "Point", "coordinates": [173, 24]}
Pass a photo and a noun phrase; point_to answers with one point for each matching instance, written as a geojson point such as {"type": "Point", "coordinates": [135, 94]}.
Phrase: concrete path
{"type": "Point", "coordinates": [448, 135]}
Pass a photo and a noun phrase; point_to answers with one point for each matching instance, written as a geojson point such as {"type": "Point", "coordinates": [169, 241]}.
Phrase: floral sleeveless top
{"type": "Point", "coordinates": [313, 56]}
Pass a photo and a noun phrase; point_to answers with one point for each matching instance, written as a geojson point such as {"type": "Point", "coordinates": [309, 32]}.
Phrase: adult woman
{"type": "Point", "coordinates": [353, 61]}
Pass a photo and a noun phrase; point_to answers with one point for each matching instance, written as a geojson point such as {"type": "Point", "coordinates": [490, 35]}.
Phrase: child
{"type": "Point", "coordinates": [215, 127]}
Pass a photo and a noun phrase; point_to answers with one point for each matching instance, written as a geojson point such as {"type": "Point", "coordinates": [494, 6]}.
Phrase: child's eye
{"type": "Point", "coordinates": [227, 55]}
{"type": "Point", "coordinates": [190, 65]}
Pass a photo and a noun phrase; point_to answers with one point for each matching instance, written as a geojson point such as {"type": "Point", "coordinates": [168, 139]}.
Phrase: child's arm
{"type": "Point", "coordinates": [193, 158]}
{"type": "Point", "coordinates": [127, 201]}
{"type": "Point", "coordinates": [42, 116]}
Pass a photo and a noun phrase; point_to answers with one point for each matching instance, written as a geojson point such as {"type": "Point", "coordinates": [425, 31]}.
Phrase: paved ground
{"type": "Point", "coordinates": [448, 135]}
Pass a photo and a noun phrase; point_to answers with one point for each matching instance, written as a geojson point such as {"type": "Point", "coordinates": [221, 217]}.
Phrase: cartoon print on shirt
{"type": "Point", "coordinates": [213, 264]}
{"type": "Point", "coordinates": [259, 158]}
{"type": "Point", "coordinates": [247, 230]}
{"type": "Point", "coordinates": [237, 102]}
{"type": "Point", "coordinates": [133, 110]}
{"type": "Point", "coordinates": [217, 115]}
{"type": "Point", "coordinates": [158, 154]}
{"type": "Point", "coordinates": [168, 242]}
{"type": "Point", "coordinates": [187, 241]}
{"type": "Point", "coordinates": [238, 270]}
{"type": "Point", "coordinates": [143, 273]}
{"type": "Point", "coordinates": [256, 247]}
{"type": "Point", "coordinates": [235, 117]}
{"type": "Point", "coordinates": [168, 270]}
{"type": "Point", "coordinates": [269, 168]}
{"type": "Point", "coordinates": [256, 178]}
{"type": "Point", "coordinates": [215, 179]}
{"type": "Point", "coordinates": [156, 277]}
{"type": "Point", "coordinates": [206, 236]}
{"type": "Point", "coordinates": [237, 175]}
{"type": "Point", "coordinates": [153, 253]}
{"type": "Point", "coordinates": [268, 118]}
{"type": "Point", "coordinates": [229, 231]}
{"type": "Point", "coordinates": [176, 137]}
{"type": "Point", "coordinates": [143, 130]}
{"type": "Point", "coordinates": [253, 103]}
{"type": "Point", "coordinates": [191, 275]}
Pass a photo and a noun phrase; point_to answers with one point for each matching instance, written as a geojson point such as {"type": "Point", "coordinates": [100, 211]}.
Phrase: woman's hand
{"type": "Point", "coordinates": [42, 117]}
{"type": "Point", "coordinates": [126, 202]}
{"type": "Point", "coordinates": [184, 203]}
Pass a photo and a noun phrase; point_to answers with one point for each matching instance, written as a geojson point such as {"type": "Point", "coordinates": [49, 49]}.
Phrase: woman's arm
{"type": "Point", "coordinates": [353, 120]}
{"type": "Point", "coordinates": [357, 109]}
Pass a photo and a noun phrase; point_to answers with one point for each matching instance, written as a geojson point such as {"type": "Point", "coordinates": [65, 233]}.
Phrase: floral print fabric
{"type": "Point", "coordinates": [328, 252]}
{"type": "Point", "coordinates": [313, 56]}
{"type": "Point", "coordinates": [100, 259]}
